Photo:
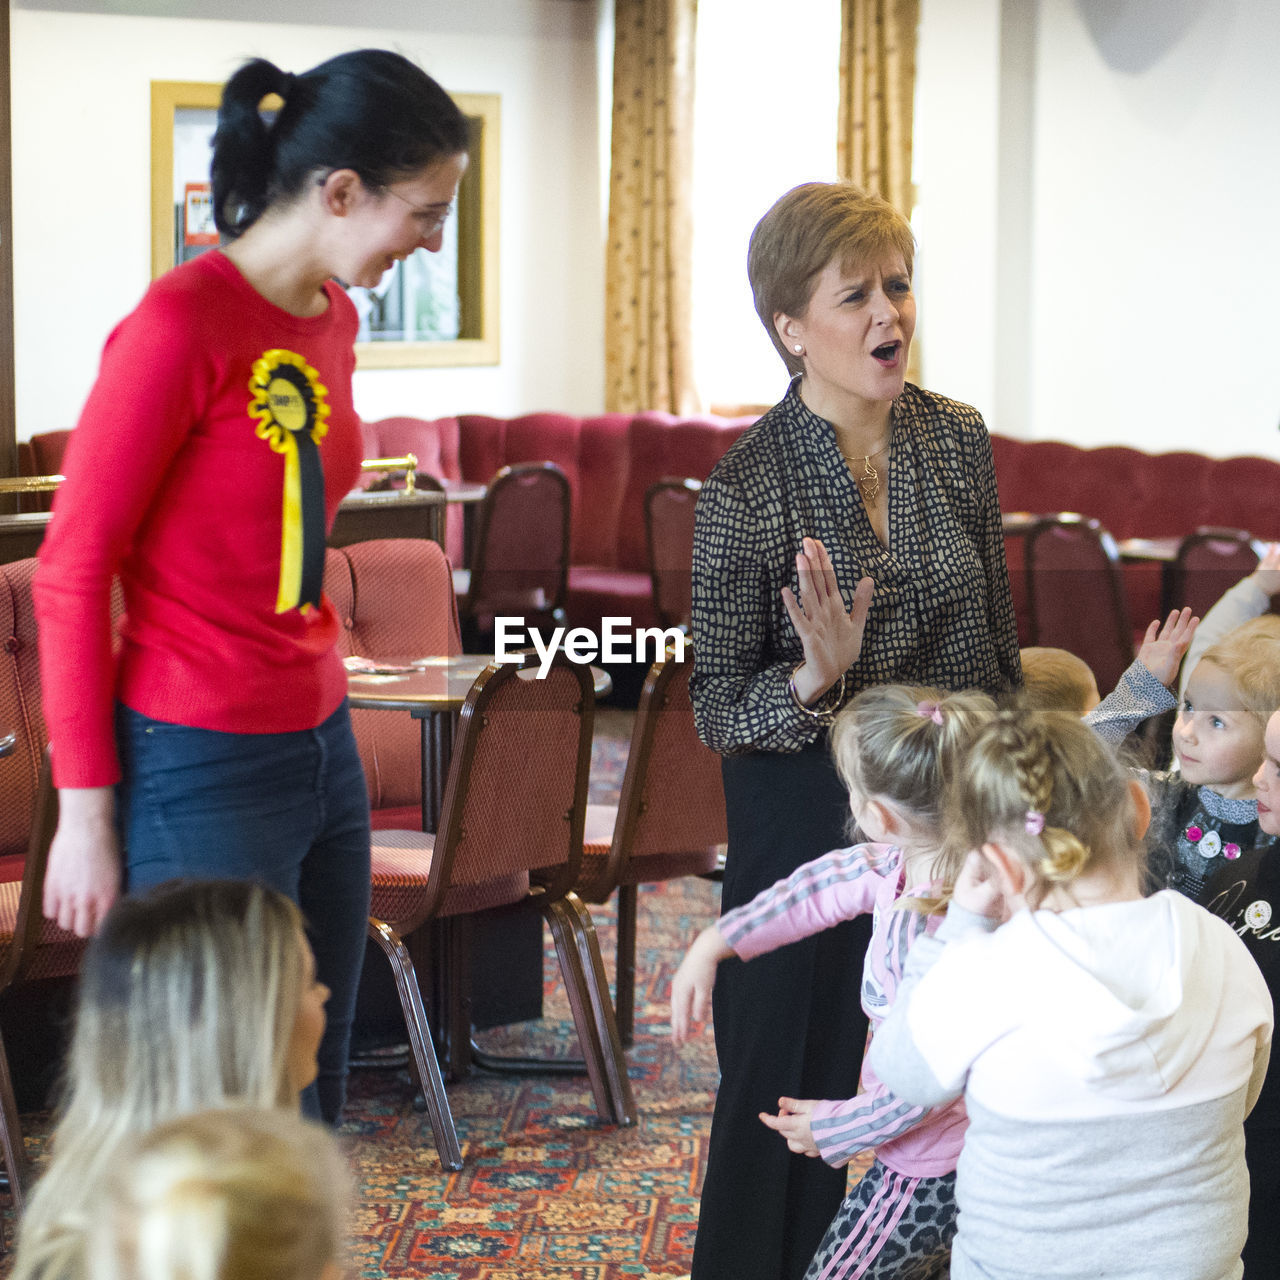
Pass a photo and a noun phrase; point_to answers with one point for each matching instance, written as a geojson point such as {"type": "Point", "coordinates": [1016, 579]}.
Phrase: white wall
{"type": "Point", "coordinates": [81, 182]}
{"type": "Point", "coordinates": [1098, 261]}
{"type": "Point", "coordinates": [1125, 150]}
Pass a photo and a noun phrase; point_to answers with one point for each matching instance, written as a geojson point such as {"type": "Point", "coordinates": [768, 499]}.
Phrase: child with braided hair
{"type": "Point", "coordinates": [893, 746]}
{"type": "Point", "coordinates": [1107, 1045]}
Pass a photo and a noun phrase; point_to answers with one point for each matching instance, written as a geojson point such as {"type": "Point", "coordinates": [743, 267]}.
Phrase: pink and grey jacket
{"type": "Point", "coordinates": [914, 1141]}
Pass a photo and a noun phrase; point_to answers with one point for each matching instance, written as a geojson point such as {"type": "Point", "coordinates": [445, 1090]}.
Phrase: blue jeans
{"type": "Point", "coordinates": [288, 809]}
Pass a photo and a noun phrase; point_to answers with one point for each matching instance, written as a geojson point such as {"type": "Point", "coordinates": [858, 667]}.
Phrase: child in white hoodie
{"type": "Point", "coordinates": [1108, 1046]}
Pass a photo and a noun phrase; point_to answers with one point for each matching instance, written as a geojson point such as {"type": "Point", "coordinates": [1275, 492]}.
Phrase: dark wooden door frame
{"type": "Point", "coordinates": [8, 420]}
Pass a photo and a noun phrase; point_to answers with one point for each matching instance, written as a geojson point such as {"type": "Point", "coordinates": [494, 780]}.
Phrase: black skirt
{"type": "Point", "coordinates": [789, 1023]}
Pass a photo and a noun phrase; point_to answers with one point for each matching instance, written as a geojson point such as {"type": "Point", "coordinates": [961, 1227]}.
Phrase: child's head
{"type": "Point", "coordinates": [1048, 789]}
{"type": "Point", "coordinates": [193, 994]}
{"type": "Point", "coordinates": [900, 743]}
{"type": "Point", "coordinates": [1053, 679]}
{"type": "Point", "coordinates": [1228, 698]}
{"type": "Point", "coordinates": [1266, 781]}
{"type": "Point", "coordinates": [240, 1194]}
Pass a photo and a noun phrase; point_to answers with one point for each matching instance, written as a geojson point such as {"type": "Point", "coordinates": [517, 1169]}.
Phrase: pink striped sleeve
{"type": "Point", "coordinates": [840, 885]}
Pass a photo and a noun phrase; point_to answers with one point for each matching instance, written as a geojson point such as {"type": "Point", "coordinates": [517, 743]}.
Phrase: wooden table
{"type": "Point", "coordinates": [22, 534]}
{"type": "Point", "coordinates": [399, 513]}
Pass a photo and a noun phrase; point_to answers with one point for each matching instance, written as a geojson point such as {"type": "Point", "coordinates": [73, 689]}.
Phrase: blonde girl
{"type": "Point", "coordinates": [894, 746]}
{"type": "Point", "coordinates": [1206, 812]}
{"type": "Point", "coordinates": [193, 996]}
{"type": "Point", "coordinates": [241, 1194]}
{"type": "Point", "coordinates": [1107, 1045]}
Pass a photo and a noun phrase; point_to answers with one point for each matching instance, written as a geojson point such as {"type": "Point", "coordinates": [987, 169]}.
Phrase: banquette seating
{"type": "Point", "coordinates": [612, 460]}
{"type": "Point", "coordinates": [1133, 494]}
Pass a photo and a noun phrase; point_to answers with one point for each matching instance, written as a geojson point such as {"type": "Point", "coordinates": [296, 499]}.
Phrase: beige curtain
{"type": "Point", "coordinates": [648, 325]}
{"type": "Point", "coordinates": [877, 91]}
{"type": "Point", "coordinates": [877, 85]}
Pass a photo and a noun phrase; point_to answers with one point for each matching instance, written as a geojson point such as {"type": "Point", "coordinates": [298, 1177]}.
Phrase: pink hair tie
{"type": "Point", "coordinates": [929, 711]}
{"type": "Point", "coordinates": [1034, 822]}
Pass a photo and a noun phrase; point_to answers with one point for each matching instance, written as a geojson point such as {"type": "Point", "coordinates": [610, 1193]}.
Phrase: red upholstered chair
{"type": "Point", "coordinates": [1075, 594]}
{"type": "Point", "coordinates": [670, 817]}
{"type": "Point", "coordinates": [395, 599]}
{"type": "Point", "coordinates": [30, 946]}
{"type": "Point", "coordinates": [510, 832]}
{"type": "Point", "coordinates": [1210, 561]}
{"type": "Point", "coordinates": [668, 521]}
{"type": "Point", "coordinates": [520, 563]}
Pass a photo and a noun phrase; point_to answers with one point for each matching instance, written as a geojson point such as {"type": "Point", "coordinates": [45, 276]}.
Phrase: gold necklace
{"type": "Point", "coordinates": [868, 481]}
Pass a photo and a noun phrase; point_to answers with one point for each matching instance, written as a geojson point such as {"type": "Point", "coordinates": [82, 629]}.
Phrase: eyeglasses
{"type": "Point", "coordinates": [430, 219]}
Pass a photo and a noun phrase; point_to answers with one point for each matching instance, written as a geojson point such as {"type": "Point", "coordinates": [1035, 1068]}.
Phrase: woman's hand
{"type": "Point", "coordinates": [792, 1121]}
{"type": "Point", "coordinates": [1163, 647]}
{"type": "Point", "coordinates": [691, 986]}
{"type": "Point", "coordinates": [832, 638]}
{"type": "Point", "coordinates": [83, 878]}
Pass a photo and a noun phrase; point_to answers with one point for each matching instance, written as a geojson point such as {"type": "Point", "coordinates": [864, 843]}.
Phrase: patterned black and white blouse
{"type": "Point", "coordinates": [941, 614]}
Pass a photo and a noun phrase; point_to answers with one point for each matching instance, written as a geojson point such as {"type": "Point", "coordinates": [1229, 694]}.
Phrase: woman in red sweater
{"type": "Point", "coordinates": [204, 472]}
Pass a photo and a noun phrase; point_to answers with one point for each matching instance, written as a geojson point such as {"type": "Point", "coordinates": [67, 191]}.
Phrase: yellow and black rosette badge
{"type": "Point", "coordinates": [288, 400]}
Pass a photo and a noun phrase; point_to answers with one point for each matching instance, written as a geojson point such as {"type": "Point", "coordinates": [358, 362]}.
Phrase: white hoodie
{"type": "Point", "coordinates": [1108, 1056]}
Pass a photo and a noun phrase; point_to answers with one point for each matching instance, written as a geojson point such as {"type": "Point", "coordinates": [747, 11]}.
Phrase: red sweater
{"type": "Point", "coordinates": [172, 485]}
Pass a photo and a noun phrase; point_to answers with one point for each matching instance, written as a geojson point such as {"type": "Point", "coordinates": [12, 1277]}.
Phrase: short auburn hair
{"type": "Point", "coordinates": [812, 225]}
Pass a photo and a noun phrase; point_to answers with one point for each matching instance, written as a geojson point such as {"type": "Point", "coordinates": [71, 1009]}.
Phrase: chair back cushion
{"type": "Point", "coordinates": [516, 795]}
{"type": "Point", "coordinates": [680, 808]}
{"type": "Point", "coordinates": [668, 509]}
{"type": "Point", "coordinates": [522, 553]}
{"type": "Point", "coordinates": [1076, 595]}
{"type": "Point", "coordinates": [395, 599]}
{"type": "Point", "coordinates": [21, 705]}
{"type": "Point", "coordinates": [1209, 563]}
{"type": "Point", "coordinates": [21, 710]}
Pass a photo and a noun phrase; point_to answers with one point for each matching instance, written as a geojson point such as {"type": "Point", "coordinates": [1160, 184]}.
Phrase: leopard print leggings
{"type": "Point", "coordinates": [889, 1227]}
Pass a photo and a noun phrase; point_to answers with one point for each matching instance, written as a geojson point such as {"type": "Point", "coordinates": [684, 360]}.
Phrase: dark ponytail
{"type": "Point", "coordinates": [370, 110]}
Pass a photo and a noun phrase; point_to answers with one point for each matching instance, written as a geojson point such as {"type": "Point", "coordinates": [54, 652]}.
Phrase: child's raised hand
{"type": "Point", "coordinates": [1267, 574]}
{"type": "Point", "coordinates": [978, 890]}
{"type": "Point", "coordinates": [691, 986]}
{"type": "Point", "coordinates": [792, 1121]}
{"type": "Point", "coordinates": [1163, 647]}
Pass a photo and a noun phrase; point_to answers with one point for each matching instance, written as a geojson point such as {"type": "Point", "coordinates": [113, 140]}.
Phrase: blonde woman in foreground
{"type": "Point", "coordinates": [196, 995]}
{"type": "Point", "coordinates": [226, 1195]}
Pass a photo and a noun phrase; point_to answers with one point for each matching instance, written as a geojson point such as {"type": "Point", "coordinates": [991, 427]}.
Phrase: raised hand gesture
{"type": "Point", "coordinates": [832, 638]}
{"type": "Point", "coordinates": [1163, 647]}
{"type": "Point", "coordinates": [1267, 574]}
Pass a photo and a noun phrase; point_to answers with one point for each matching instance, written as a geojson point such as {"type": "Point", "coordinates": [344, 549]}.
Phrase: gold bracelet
{"type": "Point", "coordinates": [827, 705]}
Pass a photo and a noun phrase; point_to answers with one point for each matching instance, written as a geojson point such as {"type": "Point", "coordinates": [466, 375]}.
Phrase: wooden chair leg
{"type": "Point", "coordinates": [579, 950]}
{"type": "Point", "coordinates": [426, 1065]}
{"type": "Point", "coordinates": [625, 983]}
{"type": "Point", "coordinates": [16, 1164]}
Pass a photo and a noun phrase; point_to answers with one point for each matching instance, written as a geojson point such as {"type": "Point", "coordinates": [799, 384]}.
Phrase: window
{"type": "Point", "coordinates": [768, 90]}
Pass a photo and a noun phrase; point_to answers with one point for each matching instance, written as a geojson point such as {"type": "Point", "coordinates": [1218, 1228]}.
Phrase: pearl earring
{"type": "Point", "coordinates": [799, 349]}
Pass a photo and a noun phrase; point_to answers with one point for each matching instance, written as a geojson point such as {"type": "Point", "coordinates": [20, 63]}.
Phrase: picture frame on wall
{"type": "Point", "coordinates": [434, 309]}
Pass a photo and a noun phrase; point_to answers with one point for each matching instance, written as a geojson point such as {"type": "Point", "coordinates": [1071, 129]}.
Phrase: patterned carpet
{"type": "Point", "coordinates": [547, 1192]}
